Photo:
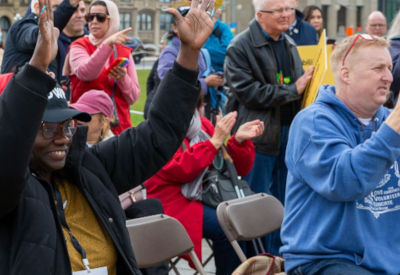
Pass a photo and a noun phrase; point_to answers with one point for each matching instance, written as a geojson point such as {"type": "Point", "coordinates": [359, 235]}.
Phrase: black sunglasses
{"type": "Point", "coordinates": [101, 17]}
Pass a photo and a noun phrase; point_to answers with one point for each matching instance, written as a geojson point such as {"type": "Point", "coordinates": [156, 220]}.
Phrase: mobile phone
{"type": "Point", "coordinates": [118, 62]}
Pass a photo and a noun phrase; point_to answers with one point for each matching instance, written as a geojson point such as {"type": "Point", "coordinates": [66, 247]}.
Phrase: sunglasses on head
{"type": "Point", "coordinates": [101, 17]}
{"type": "Point", "coordinates": [363, 36]}
{"type": "Point", "coordinates": [51, 129]}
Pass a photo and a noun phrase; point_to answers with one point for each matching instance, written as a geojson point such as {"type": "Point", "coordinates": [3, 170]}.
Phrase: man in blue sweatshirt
{"type": "Point", "coordinates": [342, 207]}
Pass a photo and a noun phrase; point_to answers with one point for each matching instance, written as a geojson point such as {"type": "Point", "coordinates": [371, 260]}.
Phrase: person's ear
{"type": "Point", "coordinates": [36, 8]}
{"type": "Point", "coordinates": [344, 74]}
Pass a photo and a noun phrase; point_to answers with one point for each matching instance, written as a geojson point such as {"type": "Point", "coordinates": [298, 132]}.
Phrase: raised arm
{"type": "Point", "coordinates": [139, 152]}
{"type": "Point", "coordinates": [22, 104]}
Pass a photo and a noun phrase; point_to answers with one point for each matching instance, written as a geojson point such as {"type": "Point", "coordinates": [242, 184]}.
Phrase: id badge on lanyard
{"type": "Point", "coordinates": [93, 271]}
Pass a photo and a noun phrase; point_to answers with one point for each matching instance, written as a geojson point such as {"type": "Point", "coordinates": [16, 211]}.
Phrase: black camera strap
{"type": "Point", "coordinates": [75, 242]}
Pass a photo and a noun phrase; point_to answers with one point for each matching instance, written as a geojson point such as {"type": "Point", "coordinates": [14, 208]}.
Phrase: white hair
{"type": "Point", "coordinates": [33, 2]}
{"type": "Point", "coordinates": [259, 4]}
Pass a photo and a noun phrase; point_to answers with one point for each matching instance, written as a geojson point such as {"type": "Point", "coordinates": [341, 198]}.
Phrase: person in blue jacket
{"type": "Point", "coordinates": [217, 44]}
{"type": "Point", "coordinates": [342, 207]}
{"type": "Point", "coordinates": [300, 31]}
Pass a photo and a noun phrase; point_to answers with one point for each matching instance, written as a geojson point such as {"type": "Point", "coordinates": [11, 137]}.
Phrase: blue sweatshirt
{"type": "Point", "coordinates": [343, 188]}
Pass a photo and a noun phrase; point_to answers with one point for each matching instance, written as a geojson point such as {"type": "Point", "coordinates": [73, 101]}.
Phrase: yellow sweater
{"type": "Point", "coordinates": [87, 229]}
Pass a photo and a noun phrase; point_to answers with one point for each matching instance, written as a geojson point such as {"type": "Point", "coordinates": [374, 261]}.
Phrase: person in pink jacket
{"type": "Point", "coordinates": [202, 144]}
{"type": "Point", "coordinates": [90, 56]}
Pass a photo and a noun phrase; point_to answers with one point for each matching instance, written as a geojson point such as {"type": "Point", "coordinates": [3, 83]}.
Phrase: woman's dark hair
{"type": "Point", "coordinates": [99, 3]}
{"type": "Point", "coordinates": [308, 10]}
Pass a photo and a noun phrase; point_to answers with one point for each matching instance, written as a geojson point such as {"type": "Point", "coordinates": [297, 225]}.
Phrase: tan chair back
{"type": "Point", "coordinates": [158, 238]}
{"type": "Point", "coordinates": [248, 218]}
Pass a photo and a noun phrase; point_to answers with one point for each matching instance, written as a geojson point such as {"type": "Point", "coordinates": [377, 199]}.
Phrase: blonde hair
{"type": "Point", "coordinates": [260, 4]}
{"type": "Point", "coordinates": [342, 47]}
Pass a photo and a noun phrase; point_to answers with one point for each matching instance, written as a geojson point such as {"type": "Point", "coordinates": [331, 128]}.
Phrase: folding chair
{"type": "Point", "coordinates": [158, 238]}
{"type": "Point", "coordinates": [249, 218]}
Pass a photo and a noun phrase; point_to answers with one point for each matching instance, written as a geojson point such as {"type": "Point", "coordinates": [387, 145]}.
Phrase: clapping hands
{"type": "Point", "coordinates": [249, 130]}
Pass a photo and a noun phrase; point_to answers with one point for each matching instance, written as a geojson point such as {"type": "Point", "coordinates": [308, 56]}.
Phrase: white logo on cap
{"type": "Point", "coordinates": [57, 92]}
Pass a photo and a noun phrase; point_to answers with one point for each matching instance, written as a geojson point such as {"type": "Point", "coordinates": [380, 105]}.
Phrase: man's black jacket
{"type": "Point", "coordinates": [250, 73]}
{"type": "Point", "coordinates": [22, 36]}
{"type": "Point", "coordinates": [31, 240]}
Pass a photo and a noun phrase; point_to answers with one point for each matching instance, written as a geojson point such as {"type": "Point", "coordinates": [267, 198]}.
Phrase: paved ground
{"type": "Point", "coordinates": [184, 269]}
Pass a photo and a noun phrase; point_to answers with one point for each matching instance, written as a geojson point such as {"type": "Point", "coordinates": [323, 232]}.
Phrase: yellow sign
{"type": "Point", "coordinates": [329, 76]}
{"type": "Point", "coordinates": [316, 56]}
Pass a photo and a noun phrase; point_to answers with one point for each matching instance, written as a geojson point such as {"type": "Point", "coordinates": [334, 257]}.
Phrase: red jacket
{"type": "Point", "coordinates": [103, 82]}
{"type": "Point", "coordinates": [186, 166]}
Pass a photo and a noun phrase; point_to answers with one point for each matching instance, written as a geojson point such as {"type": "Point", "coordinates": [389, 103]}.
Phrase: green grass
{"type": "Point", "coordinates": [139, 105]}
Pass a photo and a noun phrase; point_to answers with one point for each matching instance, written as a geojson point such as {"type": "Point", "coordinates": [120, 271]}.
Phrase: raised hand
{"type": "Point", "coordinates": [249, 130]}
{"type": "Point", "coordinates": [222, 129]}
{"type": "Point", "coordinates": [393, 120]}
{"type": "Point", "coordinates": [194, 30]}
{"type": "Point", "coordinates": [46, 46]}
{"type": "Point", "coordinates": [118, 37]}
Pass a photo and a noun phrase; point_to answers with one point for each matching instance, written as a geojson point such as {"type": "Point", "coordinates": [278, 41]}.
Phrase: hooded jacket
{"type": "Point", "coordinates": [31, 236]}
{"type": "Point", "coordinates": [343, 188]}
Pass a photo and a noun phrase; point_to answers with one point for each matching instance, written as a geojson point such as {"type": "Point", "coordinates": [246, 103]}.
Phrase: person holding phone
{"type": "Point", "coordinates": [59, 207]}
{"type": "Point", "coordinates": [91, 56]}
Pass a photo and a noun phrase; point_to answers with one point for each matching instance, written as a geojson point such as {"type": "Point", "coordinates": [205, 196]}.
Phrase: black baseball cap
{"type": "Point", "coordinates": [57, 109]}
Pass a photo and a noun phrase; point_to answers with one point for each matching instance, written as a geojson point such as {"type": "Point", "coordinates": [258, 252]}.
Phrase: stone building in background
{"type": "Point", "coordinates": [150, 22]}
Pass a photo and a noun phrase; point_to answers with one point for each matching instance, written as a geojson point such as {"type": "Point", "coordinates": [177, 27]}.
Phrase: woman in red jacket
{"type": "Point", "coordinates": [91, 55]}
{"type": "Point", "coordinates": [202, 144]}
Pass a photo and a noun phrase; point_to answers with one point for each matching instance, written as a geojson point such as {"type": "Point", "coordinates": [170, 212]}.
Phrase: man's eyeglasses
{"type": "Point", "coordinates": [377, 25]}
{"type": "Point", "coordinates": [51, 129]}
{"type": "Point", "coordinates": [278, 11]}
{"type": "Point", "coordinates": [363, 36]}
{"type": "Point", "coordinates": [101, 17]}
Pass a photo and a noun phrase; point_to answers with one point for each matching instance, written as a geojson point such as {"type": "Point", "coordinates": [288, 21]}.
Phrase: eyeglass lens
{"type": "Point", "coordinates": [50, 130]}
{"type": "Point", "coordinates": [278, 11]}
